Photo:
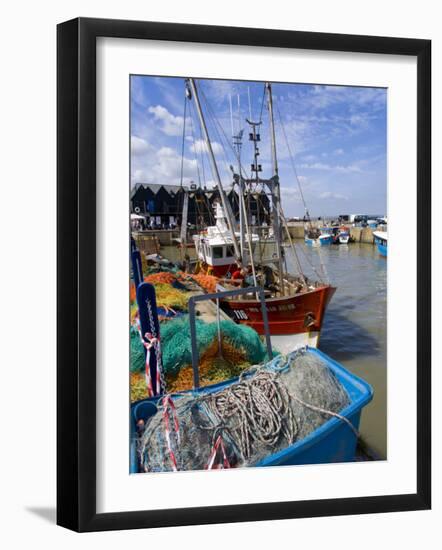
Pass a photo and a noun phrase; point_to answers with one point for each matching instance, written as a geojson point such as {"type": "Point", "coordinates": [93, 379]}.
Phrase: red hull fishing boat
{"type": "Point", "coordinates": [298, 314]}
{"type": "Point", "coordinates": [295, 304]}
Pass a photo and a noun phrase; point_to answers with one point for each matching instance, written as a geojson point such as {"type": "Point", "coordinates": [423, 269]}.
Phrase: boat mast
{"type": "Point", "coordinates": [274, 188]}
{"type": "Point", "coordinates": [237, 144]}
{"type": "Point", "coordinates": [194, 93]}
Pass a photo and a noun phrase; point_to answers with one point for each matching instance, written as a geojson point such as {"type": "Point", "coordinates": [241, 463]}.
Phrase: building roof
{"type": "Point", "coordinates": [155, 187]}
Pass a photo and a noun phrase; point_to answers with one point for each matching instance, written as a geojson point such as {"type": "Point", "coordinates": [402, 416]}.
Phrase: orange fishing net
{"type": "Point", "coordinates": [208, 282]}
{"type": "Point", "coordinates": [160, 277]}
{"type": "Point", "coordinates": [132, 293]}
{"type": "Point", "coordinates": [212, 368]}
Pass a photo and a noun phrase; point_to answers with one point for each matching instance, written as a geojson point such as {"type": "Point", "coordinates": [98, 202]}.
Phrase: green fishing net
{"type": "Point", "coordinates": [137, 360]}
{"type": "Point", "coordinates": [176, 343]}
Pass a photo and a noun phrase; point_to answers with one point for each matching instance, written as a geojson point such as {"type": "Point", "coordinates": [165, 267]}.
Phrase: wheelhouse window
{"type": "Point", "coordinates": [217, 252]}
{"type": "Point", "coordinates": [230, 251]}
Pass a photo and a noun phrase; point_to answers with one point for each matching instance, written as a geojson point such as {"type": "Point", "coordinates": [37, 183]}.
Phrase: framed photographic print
{"type": "Point", "coordinates": [243, 274]}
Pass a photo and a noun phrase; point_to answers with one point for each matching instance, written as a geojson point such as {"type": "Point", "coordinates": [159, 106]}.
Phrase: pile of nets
{"type": "Point", "coordinates": [266, 410]}
{"type": "Point", "coordinates": [169, 297]}
{"type": "Point", "coordinates": [168, 285]}
{"type": "Point", "coordinates": [213, 367]}
{"type": "Point", "coordinates": [207, 282]}
{"type": "Point", "coordinates": [241, 347]}
{"type": "Point", "coordinates": [176, 342]}
{"type": "Point", "coordinates": [160, 277]}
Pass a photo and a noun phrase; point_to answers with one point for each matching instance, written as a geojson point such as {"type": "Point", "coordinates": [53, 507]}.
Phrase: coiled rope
{"type": "Point", "coordinates": [260, 409]}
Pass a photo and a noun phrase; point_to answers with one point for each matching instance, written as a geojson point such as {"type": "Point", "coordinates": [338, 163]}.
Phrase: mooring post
{"type": "Point", "coordinates": [149, 324]}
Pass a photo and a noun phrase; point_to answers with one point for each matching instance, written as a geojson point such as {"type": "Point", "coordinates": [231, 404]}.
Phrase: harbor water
{"type": "Point", "coordinates": [355, 325]}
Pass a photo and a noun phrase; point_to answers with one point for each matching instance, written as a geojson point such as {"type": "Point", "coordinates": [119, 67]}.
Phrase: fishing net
{"type": "Point", "coordinates": [137, 358]}
{"type": "Point", "coordinates": [169, 297]}
{"type": "Point", "coordinates": [138, 387]}
{"type": "Point", "coordinates": [213, 367]}
{"type": "Point", "coordinates": [208, 282]}
{"type": "Point", "coordinates": [266, 410]}
{"type": "Point", "coordinates": [241, 347]}
{"type": "Point", "coordinates": [160, 277]}
{"type": "Point", "coordinates": [176, 342]}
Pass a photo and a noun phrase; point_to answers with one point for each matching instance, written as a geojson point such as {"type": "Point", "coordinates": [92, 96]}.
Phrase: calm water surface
{"type": "Point", "coordinates": [355, 325]}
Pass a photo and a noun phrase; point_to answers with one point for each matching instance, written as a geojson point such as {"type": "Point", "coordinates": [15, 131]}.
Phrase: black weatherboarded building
{"type": "Point", "coordinates": [162, 205]}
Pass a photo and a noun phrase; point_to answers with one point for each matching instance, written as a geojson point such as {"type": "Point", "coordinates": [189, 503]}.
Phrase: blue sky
{"type": "Point", "coordinates": [336, 136]}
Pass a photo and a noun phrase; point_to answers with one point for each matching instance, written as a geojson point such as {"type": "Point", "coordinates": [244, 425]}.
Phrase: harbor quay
{"type": "Point", "coordinates": [358, 234]}
{"type": "Point", "coordinates": [170, 236]}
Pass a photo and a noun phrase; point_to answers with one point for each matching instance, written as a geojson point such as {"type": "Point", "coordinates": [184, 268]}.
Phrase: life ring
{"type": "Point", "coordinates": [137, 210]}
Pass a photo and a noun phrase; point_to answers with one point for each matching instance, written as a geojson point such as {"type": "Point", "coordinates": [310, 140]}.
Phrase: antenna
{"type": "Point", "coordinates": [239, 112]}
{"type": "Point", "coordinates": [250, 103]}
{"type": "Point", "coordinates": [231, 114]}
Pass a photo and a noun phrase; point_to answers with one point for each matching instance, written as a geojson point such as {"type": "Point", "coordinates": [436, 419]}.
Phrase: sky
{"type": "Point", "coordinates": [330, 139]}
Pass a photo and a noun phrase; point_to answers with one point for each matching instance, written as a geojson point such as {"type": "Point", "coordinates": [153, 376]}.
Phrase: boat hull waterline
{"type": "Point", "coordinates": [381, 240]}
{"type": "Point", "coordinates": [323, 240]}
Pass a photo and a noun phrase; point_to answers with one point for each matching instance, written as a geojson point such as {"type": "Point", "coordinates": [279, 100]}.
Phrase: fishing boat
{"type": "Point", "coordinates": [296, 305]}
{"type": "Point", "coordinates": [327, 234]}
{"type": "Point", "coordinates": [214, 246]}
{"type": "Point", "coordinates": [380, 239]}
{"type": "Point", "coordinates": [344, 237]}
{"type": "Point", "coordinates": [318, 236]}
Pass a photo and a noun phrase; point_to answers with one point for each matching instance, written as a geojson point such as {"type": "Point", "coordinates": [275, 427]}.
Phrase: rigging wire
{"type": "Point", "coordinates": [183, 141]}
{"type": "Point", "coordinates": [262, 104]}
{"type": "Point", "coordinates": [195, 145]}
{"type": "Point", "coordinates": [215, 126]}
{"type": "Point", "coordinates": [219, 128]}
{"type": "Point", "coordinates": [292, 162]}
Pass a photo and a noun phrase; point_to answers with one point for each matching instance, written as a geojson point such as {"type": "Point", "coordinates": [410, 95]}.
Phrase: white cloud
{"type": "Point", "coordinates": [331, 195]}
{"type": "Point", "coordinates": [138, 146]}
{"type": "Point", "coordinates": [337, 168]}
{"type": "Point", "coordinates": [338, 152]}
{"type": "Point", "coordinates": [171, 125]}
{"type": "Point", "coordinates": [356, 120]}
{"type": "Point", "coordinates": [219, 90]}
{"type": "Point", "coordinates": [162, 165]}
{"type": "Point", "coordinates": [309, 158]}
{"type": "Point", "coordinates": [200, 146]}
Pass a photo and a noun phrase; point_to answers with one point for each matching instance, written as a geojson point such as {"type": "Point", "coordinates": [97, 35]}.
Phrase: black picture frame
{"type": "Point", "coordinates": [76, 273]}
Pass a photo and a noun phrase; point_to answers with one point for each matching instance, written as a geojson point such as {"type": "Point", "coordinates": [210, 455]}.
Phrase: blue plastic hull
{"type": "Point", "coordinates": [322, 242]}
{"type": "Point", "coordinates": [382, 249]}
{"type": "Point", "coordinates": [334, 441]}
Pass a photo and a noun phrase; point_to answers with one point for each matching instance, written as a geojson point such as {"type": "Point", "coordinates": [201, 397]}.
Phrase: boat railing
{"type": "Point", "coordinates": [217, 296]}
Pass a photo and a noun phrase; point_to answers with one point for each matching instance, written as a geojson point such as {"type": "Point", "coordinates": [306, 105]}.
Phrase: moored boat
{"type": "Point", "coordinates": [381, 240]}
{"type": "Point", "coordinates": [344, 235]}
{"type": "Point", "coordinates": [295, 305]}
{"type": "Point", "coordinates": [299, 315]}
{"type": "Point", "coordinates": [320, 240]}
